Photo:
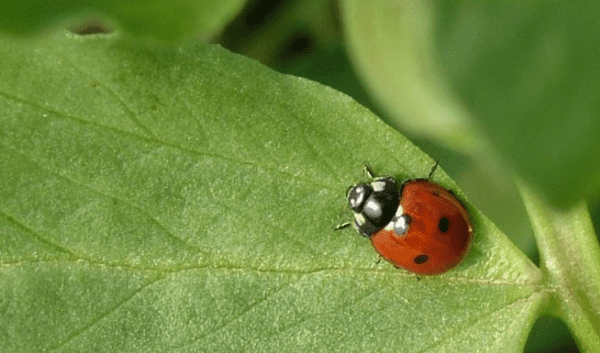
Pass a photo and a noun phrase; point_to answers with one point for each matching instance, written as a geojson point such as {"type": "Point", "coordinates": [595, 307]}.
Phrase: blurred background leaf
{"type": "Point", "coordinates": [392, 45]}
{"type": "Point", "coordinates": [166, 20]}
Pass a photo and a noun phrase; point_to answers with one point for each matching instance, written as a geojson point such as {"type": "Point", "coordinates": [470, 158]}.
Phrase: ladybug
{"type": "Point", "coordinates": [419, 225]}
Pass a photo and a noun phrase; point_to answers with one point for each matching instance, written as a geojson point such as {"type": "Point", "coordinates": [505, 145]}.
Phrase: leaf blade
{"type": "Point", "coordinates": [217, 184]}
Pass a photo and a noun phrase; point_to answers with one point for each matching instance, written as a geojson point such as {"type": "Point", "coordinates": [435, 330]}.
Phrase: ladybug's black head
{"type": "Point", "coordinates": [374, 204]}
{"type": "Point", "coordinates": [358, 196]}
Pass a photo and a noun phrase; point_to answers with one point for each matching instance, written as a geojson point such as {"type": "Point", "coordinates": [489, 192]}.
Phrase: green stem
{"type": "Point", "coordinates": [570, 259]}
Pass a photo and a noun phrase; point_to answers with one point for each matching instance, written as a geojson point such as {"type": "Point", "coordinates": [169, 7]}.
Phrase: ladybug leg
{"type": "Point", "coordinates": [418, 278]}
{"type": "Point", "coordinates": [433, 170]}
{"type": "Point", "coordinates": [342, 226]}
{"type": "Point", "coordinates": [378, 260]}
{"type": "Point", "coordinates": [369, 171]}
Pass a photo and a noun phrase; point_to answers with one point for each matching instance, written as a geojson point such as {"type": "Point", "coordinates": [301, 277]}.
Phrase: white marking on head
{"type": "Point", "coordinates": [374, 206]}
{"type": "Point", "coordinates": [360, 219]}
{"type": "Point", "coordinates": [378, 185]}
{"type": "Point", "coordinates": [359, 191]}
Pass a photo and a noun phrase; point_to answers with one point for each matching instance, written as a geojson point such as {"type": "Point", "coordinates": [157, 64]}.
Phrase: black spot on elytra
{"type": "Point", "coordinates": [443, 225]}
{"type": "Point", "coordinates": [421, 259]}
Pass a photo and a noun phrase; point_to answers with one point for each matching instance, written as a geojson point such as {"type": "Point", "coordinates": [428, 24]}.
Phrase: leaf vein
{"type": "Point", "coordinates": [88, 187]}
{"type": "Point", "coordinates": [238, 317]}
{"type": "Point", "coordinates": [130, 113]}
{"type": "Point", "coordinates": [203, 154]}
{"type": "Point", "coordinates": [315, 271]}
{"type": "Point", "coordinates": [38, 236]}
{"type": "Point", "coordinates": [99, 318]}
{"type": "Point", "coordinates": [474, 321]}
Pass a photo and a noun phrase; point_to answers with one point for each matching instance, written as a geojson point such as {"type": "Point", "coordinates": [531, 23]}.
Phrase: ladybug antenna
{"type": "Point", "coordinates": [348, 190]}
{"type": "Point", "coordinates": [369, 171]}
{"type": "Point", "coordinates": [433, 170]}
{"type": "Point", "coordinates": [342, 226]}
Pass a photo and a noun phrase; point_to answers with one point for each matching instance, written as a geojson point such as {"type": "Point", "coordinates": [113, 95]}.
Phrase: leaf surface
{"type": "Point", "coordinates": [184, 199]}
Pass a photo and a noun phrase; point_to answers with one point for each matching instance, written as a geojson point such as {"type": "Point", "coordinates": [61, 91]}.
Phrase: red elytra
{"type": "Point", "coordinates": [439, 232]}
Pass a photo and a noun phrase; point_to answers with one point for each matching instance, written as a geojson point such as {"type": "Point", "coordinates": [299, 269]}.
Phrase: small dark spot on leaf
{"type": "Point", "coordinates": [91, 27]}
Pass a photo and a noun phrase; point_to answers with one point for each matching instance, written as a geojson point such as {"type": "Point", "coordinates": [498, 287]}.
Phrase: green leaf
{"type": "Point", "coordinates": [184, 199]}
{"type": "Point", "coordinates": [532, 81]}
{"type": "Point", "coordinates": [391, 45]}
{"type": "Point", "coordinates": [570, 257]}
{"type": "Point", "coordinates": [527, 74]}
{"type": "Point", "coordinates": [166, 20]}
